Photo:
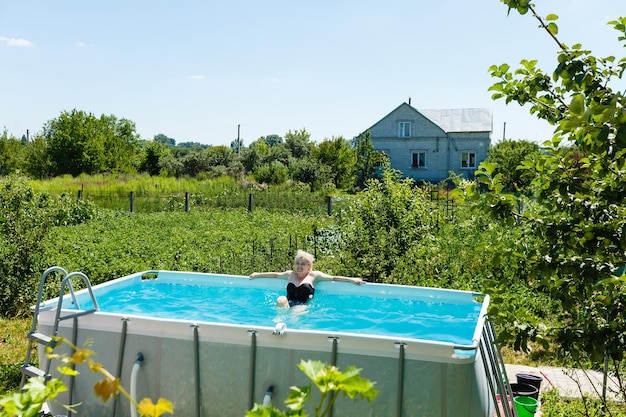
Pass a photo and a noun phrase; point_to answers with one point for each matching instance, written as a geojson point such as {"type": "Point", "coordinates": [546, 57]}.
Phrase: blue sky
{"type": "Point", "coordinates": [195, 70]}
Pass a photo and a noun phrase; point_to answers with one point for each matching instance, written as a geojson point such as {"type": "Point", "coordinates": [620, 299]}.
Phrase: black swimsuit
{"type": "Point", "coordinates": [299, 294]}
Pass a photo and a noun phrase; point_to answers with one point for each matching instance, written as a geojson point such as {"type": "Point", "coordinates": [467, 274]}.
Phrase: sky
{"type": "Point", "coordinates": [209, 71]}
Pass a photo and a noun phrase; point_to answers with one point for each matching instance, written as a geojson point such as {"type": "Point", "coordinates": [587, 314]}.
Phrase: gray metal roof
{"type": "Point", "coordinates": [461, 120]}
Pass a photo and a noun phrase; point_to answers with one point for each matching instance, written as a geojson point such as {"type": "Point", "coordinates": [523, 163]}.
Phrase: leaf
{"type": "Point", "coordinates": [105, 388]}
{"type": "Point", "coordinates": [66, 370]}
{"type": "Point", "coordinates": [149, 409]}
{"type": "Point", "coordinates": [551, 17]}
{"type": "Point", "coordinates": [297, 397]}
{"type": "Point", "coordinates": [577, 105]}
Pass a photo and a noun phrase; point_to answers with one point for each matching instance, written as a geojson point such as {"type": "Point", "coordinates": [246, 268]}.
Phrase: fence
{"type": "Point", "coordinates": [272, 254]}
{"type": "Point", "coordinates": [300, 202]}
{"type": "Point", "coordinates": [308, 203]}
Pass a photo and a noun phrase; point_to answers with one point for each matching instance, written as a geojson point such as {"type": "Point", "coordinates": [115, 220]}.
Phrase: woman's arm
{"type": "Point", "coordinates": [284, 274]}
{"type": "Point", "coordinates": [354, 280]}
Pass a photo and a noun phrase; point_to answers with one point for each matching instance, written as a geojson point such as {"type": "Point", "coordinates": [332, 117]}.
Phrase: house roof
{"type": "Point", "coordinates": [461, 120]}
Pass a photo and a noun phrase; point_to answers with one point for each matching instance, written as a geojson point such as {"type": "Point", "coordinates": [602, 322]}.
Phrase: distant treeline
{"type": "Point", "coordinates": [78, 143]}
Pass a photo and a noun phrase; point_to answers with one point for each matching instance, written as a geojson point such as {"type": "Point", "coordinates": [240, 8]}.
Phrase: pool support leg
{"type": "Point", "coordinates": [120, 359]}
{"type": "Point", "coordinates": [70, 388]}
{"type": "Point", "coordinates": [252, 334]}
{"type": "Point", "coordinates": [333, 362]}
{"type": "Point", "coordinates": [196, 364]}
{"type": "Point", "coordinates": [402, 347]}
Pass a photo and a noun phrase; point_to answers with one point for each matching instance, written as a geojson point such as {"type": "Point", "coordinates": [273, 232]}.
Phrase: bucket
{"type": "Point", "coordinates": [529, 379]}
{"type": "Point", "coordinates": [524, 390]}
{"type": "Point", "coordinates": [525, 406]}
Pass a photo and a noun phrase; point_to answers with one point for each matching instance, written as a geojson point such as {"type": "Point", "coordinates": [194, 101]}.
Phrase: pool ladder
{"type": "Point", "coordinates": [34, 336]}
{"type": "Point", "coordinates": [495, 370]}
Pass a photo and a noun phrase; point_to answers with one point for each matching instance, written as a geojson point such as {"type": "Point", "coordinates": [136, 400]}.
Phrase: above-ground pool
{"type": "Point", "coordinates": [212, 344]}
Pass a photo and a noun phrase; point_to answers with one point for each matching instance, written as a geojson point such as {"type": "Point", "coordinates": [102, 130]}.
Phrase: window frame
{"type": "Point", "coordinates": [468, 157]}
{"type": "Point", "coordinates": [403, 127]}
{"type": "Point", "coordinates": [423, 159]}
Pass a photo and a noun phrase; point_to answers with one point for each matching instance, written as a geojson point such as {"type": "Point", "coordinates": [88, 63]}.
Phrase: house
{"type": "Point", "coordinates": [427, 144]}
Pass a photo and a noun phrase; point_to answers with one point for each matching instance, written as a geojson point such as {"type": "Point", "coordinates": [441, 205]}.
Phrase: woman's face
{"type": "Point", "coordinates": [302, 267]}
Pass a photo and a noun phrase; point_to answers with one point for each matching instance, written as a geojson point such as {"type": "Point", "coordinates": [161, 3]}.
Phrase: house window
{"type": "Point", "coordinates": [418, 160]}
{"type": "Point", "coordinates": [468, 160]}
{"type": "Point", "coordinates": [404, 129]}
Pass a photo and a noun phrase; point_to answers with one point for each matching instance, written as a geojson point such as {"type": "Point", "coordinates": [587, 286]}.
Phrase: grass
{"type": "Point", "coordinates": [13, 344]}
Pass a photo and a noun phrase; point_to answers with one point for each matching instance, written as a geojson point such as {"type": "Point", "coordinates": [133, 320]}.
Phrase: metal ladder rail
{"type": "Point", "coordinates": [498, 371]}
{"type": "Point", "coordinates": [58, 318]}
{"type": "Point", "coordinates": [33, 335]}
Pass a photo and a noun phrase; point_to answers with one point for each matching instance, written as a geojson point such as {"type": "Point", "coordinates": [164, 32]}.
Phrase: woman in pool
{"type": "Point", "coordinates": [301, 281]}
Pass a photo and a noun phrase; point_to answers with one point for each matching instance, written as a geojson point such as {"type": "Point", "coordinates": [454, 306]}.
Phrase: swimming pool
{"type": "Point", "coordinates": [212, 343]}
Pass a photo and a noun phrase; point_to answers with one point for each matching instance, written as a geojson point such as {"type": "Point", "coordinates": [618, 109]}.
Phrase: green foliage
{"type": "Point", "coordinates": [11, 154]}
{"type": "Point", "coordinates": [330, 382]}
{"type": "Point", "coordinates": [24, 222]}
{"type": "Point", "coordinates": [555, 405]}
{"type": "Point", "coordinates": [385, 222]}
{"type": "Point", "coordinates": [508, 156]}
{"type": "Point", "coordinates": [154, 154]}
{"type": "Point", "coordinates": [368, 160]}
{"type": "Point", "coordinates": [30, 402]}
{"type": "Point", "coordinates": [25, 219]}
{"type": "Point", "coordinates": [274, 173]}
{"type": "Point", "coordinates": [579, 214]}
{"type": "Point", "coordinates": [337, 154]}
{"type": "Point", "coordinates": [81, 143]}
{"type": "Point", "coordinates": [299, 143]}
{"type": "Point", "coordinates": [10, 376]}
{"type": "Point", "coordinates": [214, 240]}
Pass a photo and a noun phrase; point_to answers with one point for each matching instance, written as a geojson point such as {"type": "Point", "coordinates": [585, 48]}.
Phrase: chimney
{"type": "Point", "coordinates": [409, 101]}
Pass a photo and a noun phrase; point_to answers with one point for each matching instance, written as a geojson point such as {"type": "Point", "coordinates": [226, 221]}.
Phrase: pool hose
{"type": "Point", "coordinates": [133, 383]}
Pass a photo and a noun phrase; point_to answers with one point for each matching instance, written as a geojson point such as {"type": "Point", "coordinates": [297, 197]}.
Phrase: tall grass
{"type": "Point", "coordinates": [141, 184]}
{"type": "Point", "coordinates": [155, 194]}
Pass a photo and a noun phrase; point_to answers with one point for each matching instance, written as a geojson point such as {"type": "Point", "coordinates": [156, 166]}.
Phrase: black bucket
{"type": "Point", "coordinates": [524, 390]}
{"type": "Point", "coordinates": [529, 379]}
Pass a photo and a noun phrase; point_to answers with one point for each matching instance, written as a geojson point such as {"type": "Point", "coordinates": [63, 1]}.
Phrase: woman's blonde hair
{"type": "Point", "coordinates": [306, 256]}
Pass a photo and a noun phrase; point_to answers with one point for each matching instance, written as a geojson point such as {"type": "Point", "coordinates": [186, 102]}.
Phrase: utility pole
{"type": "Point", "coordinates": [504, 132]}
{"type": "Point", "coordinates": [238, 140]}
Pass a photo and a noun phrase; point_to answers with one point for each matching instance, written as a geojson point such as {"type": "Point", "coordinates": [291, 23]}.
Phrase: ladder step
{"type": "Point", "coordinates": [39, 338]}
{"type": "Point", "coordinates": [32, 370]}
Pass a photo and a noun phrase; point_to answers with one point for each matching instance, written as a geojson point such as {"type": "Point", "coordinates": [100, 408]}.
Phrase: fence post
{"type": "Point", "coordinates": [132, 201]}
{"type": "Point", "coordinates": [250, 203]}
{"type": "Point", "coordinates": [329, 205]}
{"type": "Point", "coordinates": [80, 194]}
{"type": "Point", "coordinates": [187, 201]}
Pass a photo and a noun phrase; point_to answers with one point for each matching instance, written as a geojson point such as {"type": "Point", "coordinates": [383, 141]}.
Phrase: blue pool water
{"type": "Point", "coordinates": [351, 310]}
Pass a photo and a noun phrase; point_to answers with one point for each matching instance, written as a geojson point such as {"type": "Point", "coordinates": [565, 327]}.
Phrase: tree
{"type": "Point", "coordinates": [37, 161]}
{"type": "Point", "coordinates": [390, 217]}
{"type": "Point", "coordinates": [508, 155]}
{"type": "Point", "coordinates": [154, 152]}
{"type": "Point", "coordinates": [368, 160]}
{"type": "Point", "coordinates": [11, 154]}
{"type": "Point", "coordinates": [272, 140]}
{"type": "Point", "coordinates": [81, 143]}
{"type": "Point", "coordinates": [298, 143]}
{"type": "Point", "coordinates": [310, 172]}
{"type": "Point", "coordinates": [579, 214]}
{"type": "Point", "coordinates": [337, 154]}
{"type": "Point", "coordinates": [161, 138]}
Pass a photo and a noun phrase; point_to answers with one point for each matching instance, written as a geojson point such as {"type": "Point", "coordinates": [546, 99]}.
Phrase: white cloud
{"type": "Point", "coordinates": [83, 45]}
{"type": "Point", "coordinates": [16, 42]}
{"type": "Point", "coordinates": [196, 77]}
